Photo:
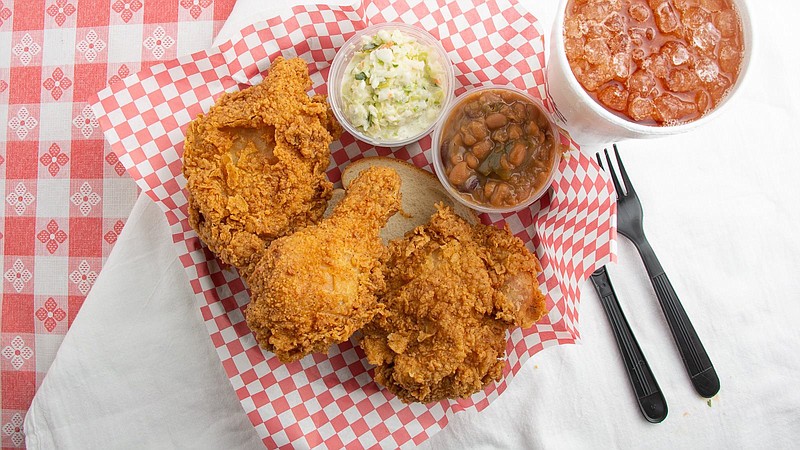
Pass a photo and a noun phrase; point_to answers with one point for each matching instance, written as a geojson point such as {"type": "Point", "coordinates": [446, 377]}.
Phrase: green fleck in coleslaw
{"type": "Point", "coordinates": [393, 87]}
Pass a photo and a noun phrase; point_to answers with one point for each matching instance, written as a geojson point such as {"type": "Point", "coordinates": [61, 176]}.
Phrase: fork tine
{"type": "Point", "coordinates": [617, 187]}
{"type": "Point", "coordinates": [599, 160]}
{"type": "Point", "coordinates": [624, 173]}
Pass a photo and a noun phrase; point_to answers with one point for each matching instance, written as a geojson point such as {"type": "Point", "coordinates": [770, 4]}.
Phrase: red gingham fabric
{"type": "Point", "coordinates": [65, 194]}
{"type": "Point", "coordinates": [331, 400]}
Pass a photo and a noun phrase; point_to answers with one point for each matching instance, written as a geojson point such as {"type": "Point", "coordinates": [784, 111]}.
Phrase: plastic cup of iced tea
{"type": "Point", "coordinates": [645, 68]}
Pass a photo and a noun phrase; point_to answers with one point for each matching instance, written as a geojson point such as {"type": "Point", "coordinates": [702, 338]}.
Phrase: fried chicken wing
{"type": "Point", "coordinates": [316, 287]}
{"type": "Point", "coordinates": [452, 291]}
{"type": "Point", "coordinates": [255, 164]}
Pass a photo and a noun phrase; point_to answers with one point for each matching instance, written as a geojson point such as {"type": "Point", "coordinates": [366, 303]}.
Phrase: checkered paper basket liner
{"type": "Point", "coordinates": [331, 400]}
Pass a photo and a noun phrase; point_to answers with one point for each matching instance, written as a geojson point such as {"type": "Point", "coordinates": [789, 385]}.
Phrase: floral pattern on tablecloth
{"type": "Point", "coordinates": [65, 195]}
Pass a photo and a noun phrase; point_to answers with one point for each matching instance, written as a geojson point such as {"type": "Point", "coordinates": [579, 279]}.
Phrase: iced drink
{"type": "Point", "coordinates": [655, 62]}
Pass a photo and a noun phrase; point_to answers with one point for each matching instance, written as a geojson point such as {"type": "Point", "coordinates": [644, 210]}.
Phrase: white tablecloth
{"type": "Point", "coordinates": [722, 210]}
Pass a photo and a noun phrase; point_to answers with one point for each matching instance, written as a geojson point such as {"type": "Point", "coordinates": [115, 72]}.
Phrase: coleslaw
{"type": "Point", "coordinates": [393, 87]}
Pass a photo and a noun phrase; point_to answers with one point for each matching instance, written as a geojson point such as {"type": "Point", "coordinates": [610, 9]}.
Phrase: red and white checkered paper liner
{"type": "Point", "coordinates": [331, 400]}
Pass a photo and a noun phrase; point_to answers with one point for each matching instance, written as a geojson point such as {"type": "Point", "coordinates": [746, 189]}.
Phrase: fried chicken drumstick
{"type": "Point", "coordinates": [255, 164]}
{"type": "Point", "coordinates": [316, 287]}
{"type": "Point", "coordinates": [452, 291]}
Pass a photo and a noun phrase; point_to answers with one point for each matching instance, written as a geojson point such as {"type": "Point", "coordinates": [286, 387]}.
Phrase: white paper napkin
{"type": "Point", "coordinates": [137, 368]}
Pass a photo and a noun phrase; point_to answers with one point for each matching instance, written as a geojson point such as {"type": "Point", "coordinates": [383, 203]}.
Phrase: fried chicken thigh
{"type": "Point", "coordinates": [316, 287]}
{"type": "Point", "coordinates": [452, 291]}
{"type": "Point", "coordinates": [255, 164]}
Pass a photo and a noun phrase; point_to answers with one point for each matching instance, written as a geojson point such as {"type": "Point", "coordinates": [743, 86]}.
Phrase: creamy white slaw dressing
{"type": "Point", "coordinates": [393, 86]}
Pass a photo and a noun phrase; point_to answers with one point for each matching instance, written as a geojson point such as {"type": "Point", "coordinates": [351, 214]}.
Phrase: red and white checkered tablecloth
{"type": "Point", "coordinates": [65, 194]}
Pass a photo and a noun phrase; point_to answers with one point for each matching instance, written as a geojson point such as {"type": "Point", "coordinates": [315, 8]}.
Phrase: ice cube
{"type": "Point", "coordinates": [640, 108]}
{"type": "Point", "coordinates": [639, 12]}
{"type": "Point", "coordinates": [641, 83]}
{"type": "Point", "coordinates": [637, 35]}
{"type": "Point", "coordinates": [677, 52]}
{"type": "Point", "coordinates": [593, 76]}
{"type": "Point", "coordinates": [670, 108]}
{"type": "Point", "coordinates": [614, 97]}
{"type": "Point", "coordinates": [597, 10]}
{"type": "Point", "coordinates": [573, 48]}
{"type": "Point", "coordinates": [598, 76]}
{"type": "Point", "coordinates": [706, 69]}
{"type": "Point", "coordinates": [719, 88]}
{"type": "Point", "coordinates": [590, 76]}
{"type": "Point", "coordinates": [695, 17]}
{"type": "Point", "coordinates": [577, 5]}
{"type": "Point", "coordinates": [596, 51]}
{"type": "Point", "coordinates": [667, 19]}
{"type": "Point", "coordinates": [712, 5]}
{"type": "Point", "coordinates": [595, 29]}
{"type": "Point", "coordinates": [637, 55]}
{"type": "Point", "coordinates": [615, 23]}
{"type": "Point", "coordinates": [620, 43]}
{"type": "Point", "coordinates": [729, 57]}
{"type": "Point", "coordinates": [575, 26]}
{"type": "Point", "coordinates": [657, 64]}
{"type": "Point", "coordinates": [706, 37]}
{"type": "Point", "coordinates": [584, 79]}
{"type": "Point", "coordinates": [683, 5]}
{"type": "Point", "coordinates": [650, 34]}
{"type": "Point", "coordinates": [702, 101]}
{"type": "Point", "coordinates": [682, 80]}
{"type": "Point", "coordinates": [727, 23]}
{"type": "Point", "coordinates": [580, 68]}
{"type": "Point", "coordinates": [621, 65]}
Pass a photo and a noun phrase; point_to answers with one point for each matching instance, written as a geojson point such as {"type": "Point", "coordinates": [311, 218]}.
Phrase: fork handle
{"type": "Point", "coordinates": [648, 394]}
{"type": "Point", "coordinates": [698, 364]}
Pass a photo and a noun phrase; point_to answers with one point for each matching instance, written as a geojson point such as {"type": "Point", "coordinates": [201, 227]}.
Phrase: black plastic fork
{"type": "Point", "coordinates": [629, 224]}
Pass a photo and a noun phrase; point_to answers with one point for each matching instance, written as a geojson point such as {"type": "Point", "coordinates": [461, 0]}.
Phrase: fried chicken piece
{"type": "Point", "coordinates": [452, 292]}
{"type": "Point", "coordinates": [316, 287]}
{"type": "Point", "coordinates": [255, 164]}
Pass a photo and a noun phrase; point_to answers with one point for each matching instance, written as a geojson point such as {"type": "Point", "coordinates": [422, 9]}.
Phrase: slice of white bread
{"type": "Point", "coordinates": [421, 190]}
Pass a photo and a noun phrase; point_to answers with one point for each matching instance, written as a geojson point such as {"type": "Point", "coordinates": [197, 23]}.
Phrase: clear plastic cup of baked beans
{"type": "Point", "coordinates": [496, 150]}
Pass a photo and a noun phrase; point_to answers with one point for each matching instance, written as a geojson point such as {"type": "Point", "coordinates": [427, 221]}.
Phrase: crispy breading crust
{"type": "Point", "coordinates": [317, 286]}
{"type": "Point", "coordinates": [255, 164]}
{"type": "Point", "coordinates": [452, 292]}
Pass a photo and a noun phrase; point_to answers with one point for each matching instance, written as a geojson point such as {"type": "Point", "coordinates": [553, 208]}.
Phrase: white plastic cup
{"type": "Point", "coordinates": [589, 123]}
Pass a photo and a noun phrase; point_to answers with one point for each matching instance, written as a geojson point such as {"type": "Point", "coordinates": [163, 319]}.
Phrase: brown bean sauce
{"type": "Point", "coordinates": [497, 148]}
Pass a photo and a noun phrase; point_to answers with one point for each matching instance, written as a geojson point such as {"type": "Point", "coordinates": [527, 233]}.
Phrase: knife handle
{"type": "Point", "coordinates": [648, 394]}
{"type": "Point", "coordinates": [695, 358]}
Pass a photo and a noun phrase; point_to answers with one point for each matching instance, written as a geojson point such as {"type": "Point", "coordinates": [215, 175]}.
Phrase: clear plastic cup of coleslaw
{"type": "Point", "coordinates": [390, 84]}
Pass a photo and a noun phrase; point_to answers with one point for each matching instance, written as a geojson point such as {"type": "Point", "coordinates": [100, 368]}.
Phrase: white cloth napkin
{"type": "Point", "coordinates": [137, 369]}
